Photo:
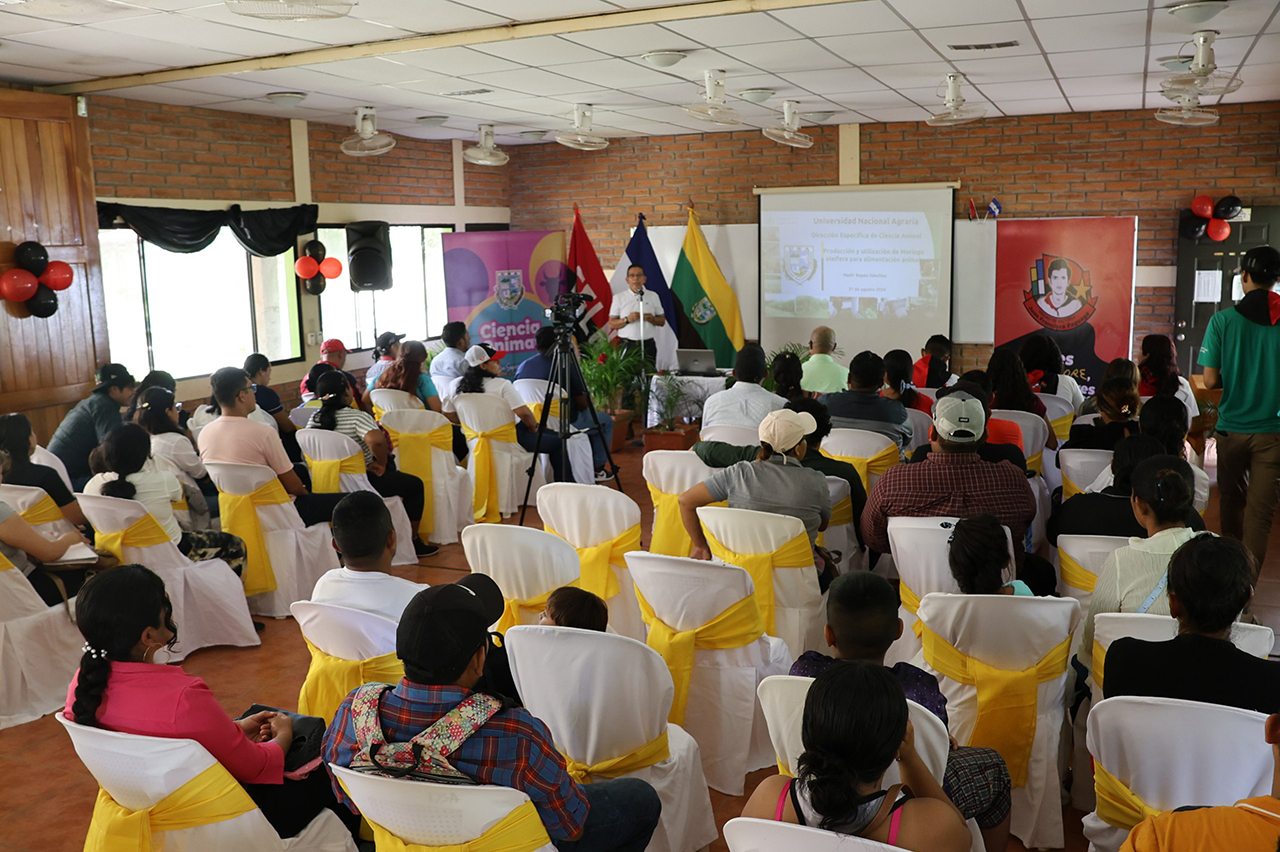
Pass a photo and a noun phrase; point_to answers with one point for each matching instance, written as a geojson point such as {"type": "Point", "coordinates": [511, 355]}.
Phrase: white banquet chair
{"type": "Point", "coordinates": [739, 436]}
{"type": "Point", "coordinates": [37, 509]}
{"type": "Point", "coordinates": [483, 413]}
{"type": "Point", "coordinates": [1080, 468]}
{"type": "Point", "coordinates": [365, 640]}
{"type": "Point", "coordinates": [581, 466]}
{"type": "Point", "coordinates": [48, 459]}
{"type": "Point", "coordinates": [526, 563]}
{"type": "Point", "coordinates": [870, 452]}
{"type": "Point", "coordinates": [669, 473]}
{"type": "Point", "coordinates": [40, 650]}
{"type": "Point", "coordinates": [392, 399]}
{"type": "Point", "coordinates": [431, 459]}
{"type": "Point", "coordinates": [1080, 561]}
{"type": "Point", "coordinates": [744, 834]}
{"type": "Point", "coordinates": [1035, 434]}
{"type": "Point", "coordinates": [1255, 639]}
{"type": "Point", "coordinates": [921, 423]}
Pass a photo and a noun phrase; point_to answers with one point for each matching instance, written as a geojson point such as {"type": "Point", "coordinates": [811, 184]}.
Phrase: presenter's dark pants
{"type": "Point", "coordinates": [650, 362]}
{"type": "Point", "coordinates": [1248, 487]}
{"type": "Point", "coordinates": [624, 812]}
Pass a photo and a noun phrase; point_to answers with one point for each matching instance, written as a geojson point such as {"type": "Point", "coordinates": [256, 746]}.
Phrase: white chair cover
{"type": "Point", "coordinates": [48, 459]}
{"type": "Point", "coordinates": [739, 436]}
{"type": "Point", "coordinates": [857, 443]}
{"type": "Point", "coordinates": [1255, 639]}
{"type": "Point", "coordinates": [921, 423]}
{"type": "Point", "coordinates": [1172, 753]}
{"type": "Point", "coordinates": [581, 465]}
{"type": "Point", "coordinates": [40, 650]}
{"type": "Point", "coordinates": [1038, 531]}
{"type": "Point", "coordinates": [208, 598]}
{"type": "Point", "coordinates": [587, 515]}
{"type": "Point", "coordinates": [799, 605]}
{"type": "Point", "coordinates": [673, 472]}
{"type": "Point", "coordinates": [1091, 551]}
{"type": "Point", "coordinates": [390, 399]}
{"type": "Point", "coordinates": [140, 771]}
{"type": "Point", "coordinates": [483, 412]}
{"type": "Point", "coordinates": [323, 445]}
{"type": "Point", "coordinates": [343, 632]}
{"type": "Point", "coordinates": [23, 497]}
{"type": "Point", "coordinates": [1083, 466]}
{"type": "Point", "coordinates": [839, 536]}
{"type": "Point", "coordinates": [299, 554]}
{"type": "Point", "coordinates": [450, 484]}
{"type": "Point", "coordinates": [301, 415]}
{"type": "Point", "coordinates": [1088, 419]}
{"type": "Point", "coordinates": [932, 393]}
{"type": "Point", "coordinates": [523, 561]}
{"type": "Point", "coordinates": [445, 386]}
{"type": "Point", "coordinates": [622, 697]}
{"type": "Point", "coordinates": [722, 713]}
{"type": "Point", "coordinates": [427, 814]}
{"type": "Point", "coordinates": [1056, 406]}
{"type": "Point", "coordinates": [1011, 633]}
{"type": "Point", "coordinates": [1035, 432]}
{"type": "Point", "coordinates": [743, 834]}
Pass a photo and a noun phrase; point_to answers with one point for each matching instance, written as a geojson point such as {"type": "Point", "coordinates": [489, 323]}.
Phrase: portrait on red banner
{"type": "Point", "coordinates": [1070, 279]}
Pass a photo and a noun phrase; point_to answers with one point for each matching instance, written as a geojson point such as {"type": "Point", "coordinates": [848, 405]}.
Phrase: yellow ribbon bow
{"type": "Point", "coordinates": [519, 831]}
{"type": "Point", "coordinates": [511, 608]}
{"type": "Point", "coordinates": [1062, 425]}
{"type": "Point", "coordinates": [326, 474]}
{"type": "Point", "coordinates": [240, 518]}
{"type": "Point", "coordinates": [1036, 463]}
{"type": "Point", "coordinates": [596, 563]}
{"type": "Point", "coordinates": [669, 535]}
{"type": "Point", "coordinates": [1118, 806]}
{"type": "Point", "coordinates": [535, 408]}
{"type": "Point", "coordinates": [910, 602]}
{"type": "Point", "coordinates": [212, 796]}
{"type": "Point", "coordinates": [330, 679]}
{"type": "Point", "coordinates": [877, 464]}
{"type": "Point", "coordinates": [1069, 488]}
{"type": "Point", "coordinates": [485, 498]}
{"type": "Point", "coordinates": [1097, 663]}
{"type": "Point", "coordinates": [1006, 699]}
{"type": "Point", "coordinates": [655, 751]}
{"type": "Point", "coordinates": [413, 456]}
{"type": "Point", "coordinates": [796, 553]}
{"type": "Point", "coordinates": [43, 511]}
{"type": "Point", "coordinates": [738, 625]}
{"type": "Point", "coordinates": [5, 564]}
{"type": "Point", "coordinates": [841, 514]}
{"type": "Point", "coordinates": [1073, 573]}
{"type": "Point", "coordinates": [144, 532]}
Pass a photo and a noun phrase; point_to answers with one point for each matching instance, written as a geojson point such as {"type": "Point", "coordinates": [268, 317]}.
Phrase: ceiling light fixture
{"type": "Point", "coordinates": [663, 58]}
{"type": "Point", "coordinates": [789, 133]}
{"type": "Point", "coordinates": [756, 96]}
{"type": "Point", "coordinates": [286, 99]}
{"type": "Point", "coordinates": [817, 116]}
{"type": "Point", "coordinates": [712, 107]}
{"type": "Point", "coordinates": [466, 93]}
{"type": "Point", "coordinates": [993, 45]}
{"type": "Point", "coordinates": [581, 138]}
{"type": "Point", "coordinates": [1202, 78]}
{"type": "Point", "coordinates": [956, 112]}
{"type": "Point", "coordinates": [291, 10]}
{"type": "Point", "coordinates": [431, 120]}
{"type": "Point", "coordinates": [1196, 11]}
{"type": "Point", "coordinates": [486, 153]}
{"type": "Point", "coordinates": [367, 141]}
{"type": "Point", "coordinates": [533, 135]}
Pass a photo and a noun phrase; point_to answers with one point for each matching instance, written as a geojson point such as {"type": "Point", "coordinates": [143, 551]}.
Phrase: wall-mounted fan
{"type": "Point", "coordinates": [486, 153]}
{"type": "Point", "coordinates": [581, 138]}
{"type": "Point", "coordinates": [1188, 112]}
{"type": "Point", "coordinates": [956, 112]}
{"type": "Point", "coordinates": [712, 106]}
{"type": "Point", "coordinates": [367, 141]}
{"type": "Point", "coordinates": [789, 133]}
{"type": "Point", "coordinates": [1203, 77]}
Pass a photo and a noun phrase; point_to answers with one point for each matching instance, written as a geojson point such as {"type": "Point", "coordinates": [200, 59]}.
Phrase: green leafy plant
{"type": "Point", "coordinates": [608, 371]}
{"type": "Point", "coordinates": [668, 402]}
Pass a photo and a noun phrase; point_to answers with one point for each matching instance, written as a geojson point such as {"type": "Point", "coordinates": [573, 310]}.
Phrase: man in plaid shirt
{"type": "Point", "coordinates": [443, 641]}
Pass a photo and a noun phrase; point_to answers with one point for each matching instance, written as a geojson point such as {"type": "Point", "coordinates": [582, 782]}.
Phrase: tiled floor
{"type": "Point", "coordinates": [48, 796]}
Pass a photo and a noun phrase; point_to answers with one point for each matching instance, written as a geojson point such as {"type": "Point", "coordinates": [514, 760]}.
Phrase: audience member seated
{"type": "Point", "coordinates": [335, 414]}
{"type": "Point", "coordinates": [1164, 418]}
{"type": "Point", "coordinates": [855, 725]}
{"type": "Point", "coordinates": [234, 438]}
{"type": "Point", "coordinates": [173, 450]}
{"type": "Point", "coordinates": [443, 641]}
{"type": "Point", "coordinates": [88, 423]}
{"type": "Point", "coordinates": [17, 439]}
{"type": "Point", "coordinates": [978, 556]}
{"type": "Point", "coordinates": [125, 617]}
{"type": "Point", "coordinates": [1210, 582]}
{"type": "Point", "coordinates": [154, 379]}
{"type": "Point", "coordinates": [406, 374]}
{"type": "Point", "coordinates": [1134, 577]}
{"type": "Point", "coordinates": [788, 373]}
{"type": "Point", "coordinates": [1248, 824]}
{"type": "Point", "coordinates": [862, 622]}
{"type": "Point", "coordinates": [126, 455]}
{"type": "Point", "coordinates": [1117, 412]}
{"type": "Point", "coordinates": [569, 606]}
{"type": "Point", "coordinates": [334, 353]}
{"type": "Point", "coordinates": [309, 381]}
{"type": "Point", "coordinates": [1117, 368]}
{"type": "Point", "coordinates": [1160, 376]}
{"type": "Point", "coordinates": [954, 481]}
{"type": "Point", "coordinates": [999, 431]}
{"type": "Point", "coordinates": [388, 348]}
{"type": "Point", "coordinates": [366, 541]}
{"type": "Point", "coordinates": [258, 366]}
{"type": "Point", "coordinates": [212, 410]}
{"type": "Point", "coordinates": [862, 407]}
{"type": "Point", "coordinates": [450, 363]}
{"type": "Point", "coordinates": [899, 382]}
{"type": "Point", "coordinates": [933, 370]}
{"type": "Point", "coordinates": [19, 540]}
{"type": "Point", "coordinates": [1012, 392]}
{"type": "Point", "coordinates": [1043, 360]}
{"type": "Point", "coordinates": [820, 373]}
{"type": "Point", "coordinates": [987, 449]}
{"type": "Point", "coordinates": [538, 366]}
{"type": "Point", "coordinates": [484, 375]}
{"type": "Point", "coordinates": [1108, 512]}
{"type": "Point", "coordinates": [746, 403]}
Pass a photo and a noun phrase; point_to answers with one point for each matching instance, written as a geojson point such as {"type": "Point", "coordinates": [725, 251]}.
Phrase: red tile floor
{"type": "Point", "coordinates": [49, 796]}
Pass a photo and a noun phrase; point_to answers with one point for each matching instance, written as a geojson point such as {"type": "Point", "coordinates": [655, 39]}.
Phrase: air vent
{"type": "Point", "coordinates": [467, 94]}
{"type": "Point", "coordinates": [997, 45]}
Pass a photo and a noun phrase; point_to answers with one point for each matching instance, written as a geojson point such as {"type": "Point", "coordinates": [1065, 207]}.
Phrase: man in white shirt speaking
{"type": "Point", "coordinates": [627, 311]}
{"type": "Point", "coordinates": [746, 403]}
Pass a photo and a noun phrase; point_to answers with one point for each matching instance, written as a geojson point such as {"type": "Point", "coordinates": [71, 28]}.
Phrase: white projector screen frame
{"type": "Point", "coordinates": [904, 322]}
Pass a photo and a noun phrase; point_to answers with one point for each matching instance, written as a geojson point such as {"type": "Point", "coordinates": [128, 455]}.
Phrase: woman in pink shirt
{"type": "Point", "coordinates": [125, 618]}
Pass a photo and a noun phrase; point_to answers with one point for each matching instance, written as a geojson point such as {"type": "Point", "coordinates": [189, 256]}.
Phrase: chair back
{"type": "Point", "coordinates": [301, 415]}
{"type": "Point", "coordinates": [413, 419]}
{"type": "Point", "coordinates": [743, 834]}
{"type": "Point", "coordinates": [1060, 412]}
{"type": "Point", "coordinates": [525, 562]}
{"type": "Point", "coordinates": [671, 472]}
{"type": "Point", "coordinates": [23, 498]}
{"type": "Point", "coordinates": [1080, 468]}
{"type": "Point", "coordinates": [239, 479]}
{"type": "Point", "coordinates": [343, 632]}
{"type": "Point", "coordinates": [324, 445]}
{"type": "Point", "coordinates": [113, 514]}
{"type": "Point", "coordinates": [427, 814]}
{"type": "Point", "coordinates": [534, 394]}
{"type": "Point", "coordinates": [586, 515]}
{"type": "Point", "coordinates": [921, 423]}
{"type": "Point", "coordinates": [445, 386]}
{"type": "Point", "coordinates": [483, 411]}
{"type": "Point", "coordinates": [1089, 419]}
{"type": "Point", "coordinates": [48, 459]}
{"type": "Point", "coordinates": [739, 436]}
{"type": "Point", "coordinates": [1035, 432]}
{"type": "Point", "coordinates": [840, 531]}
{"type": "Point", "coordinates": [1255, 639]}
{"type": "Point", "coordinates": [687, 593]}
{"type": "Point", "coordinates": [749, 531]}
{"type": "Point", "coordinates": [1090, 552]}
{"type": "Point", "coordinates": [391, 399]}
{"type": "Point", "coordinates": [862, 445]}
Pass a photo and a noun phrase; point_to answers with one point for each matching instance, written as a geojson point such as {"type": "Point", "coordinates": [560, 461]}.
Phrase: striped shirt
{"type": "Point", "coordinates": [353, 423]}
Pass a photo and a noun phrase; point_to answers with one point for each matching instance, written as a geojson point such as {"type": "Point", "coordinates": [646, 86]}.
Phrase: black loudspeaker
{"type": "Point", "coordinates": [369, 255]}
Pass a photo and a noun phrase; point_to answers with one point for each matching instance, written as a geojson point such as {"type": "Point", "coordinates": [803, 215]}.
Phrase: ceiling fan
{"type": "Point", "coordinates": [1203, 76]}
{"type": "Point", "coordinates": [1188, 113]}
{"type": "Point", "coordinates": [956, 112]}
{"type": "Point", "coordinates": [712, 107]}
{"type": "Point", "coordinates": [486, 153]}
{"type": "Point", "coordinates": [581, 138]}
{"type": "Point", "coordinates": [789, 132]}
{"type": "Point", "coordinates": [291, 10]}
{"type": "Point", "coordinates": [367, 141]}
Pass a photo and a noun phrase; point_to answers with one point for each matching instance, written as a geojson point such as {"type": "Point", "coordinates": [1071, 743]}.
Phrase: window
{"type": "Point", "coordinates": [189, 314]}
{"type": "Point", "coordinates": [414, 306]}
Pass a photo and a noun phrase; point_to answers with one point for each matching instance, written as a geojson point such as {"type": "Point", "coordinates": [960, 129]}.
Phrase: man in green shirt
{"type": "Point", "coordinates": [1241, 355]}
{"type": "Point", "coordinates": [821, 372]}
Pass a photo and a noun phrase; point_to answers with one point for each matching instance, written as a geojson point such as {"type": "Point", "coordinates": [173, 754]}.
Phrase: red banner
{"type": "Point", "coordinates": [1071, 279]}
{"type": "Point", "coordinates": [587, 276]}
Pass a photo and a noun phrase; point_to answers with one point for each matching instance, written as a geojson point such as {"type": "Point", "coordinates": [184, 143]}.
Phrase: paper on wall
{"type": "Point", "coordinates": [1208, 285]}
{"type": "Point", "coordinates": [1237, 288]}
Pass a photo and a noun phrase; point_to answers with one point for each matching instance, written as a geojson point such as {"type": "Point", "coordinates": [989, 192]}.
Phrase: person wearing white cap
{"type": "Point", "coordinates": [775, 482]}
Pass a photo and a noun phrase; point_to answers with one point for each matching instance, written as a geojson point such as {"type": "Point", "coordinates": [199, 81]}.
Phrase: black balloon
{"type": "Point", "coordinates": [1192, 226]}
{"type": "Point", "coordinates": [44, 303]}
{"type": "Point", "coordinates": [1228, 207]}
{"type": "Point", "coordinates": [314, 286]}
{"type": "Point", "coordinates": [32, 257]}
{"type": "Point", "coordinates": [314, 248]}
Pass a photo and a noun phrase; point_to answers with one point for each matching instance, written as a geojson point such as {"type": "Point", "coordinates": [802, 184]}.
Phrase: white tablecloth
{"type": "Point", "coordinates": [697, 388]}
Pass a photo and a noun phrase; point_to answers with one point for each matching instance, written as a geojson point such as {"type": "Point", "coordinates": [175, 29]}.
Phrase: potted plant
{"type": "Point", "coordinates": [669, 402]}
{"type": "Point", "coordinates": [609, 372]}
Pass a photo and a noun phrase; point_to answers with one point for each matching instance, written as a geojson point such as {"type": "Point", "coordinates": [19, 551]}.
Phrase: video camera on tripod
{"type": "Point", "coordinates": [565, 311]}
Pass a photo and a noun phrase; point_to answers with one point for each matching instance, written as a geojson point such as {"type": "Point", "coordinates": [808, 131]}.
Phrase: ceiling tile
{"type": "Point", "coordinates": [540, 51]}
{"type": "Point", "coordinates": [1038, 9]}
{"type": "Point", "coordinates": [913, 74]}
{"type": "Point", "coordinates": [633, 40]}
{"type": "Point", "coordinates": [260, 107]}
{"type": "Point", "coordinates": [640, 97]}
{"type": "Point", "coordinates": [12, 24]}
{"type": "Point", "coordinates": [868, 16]}
{"type": "Point", "coordinates": [440, 85]}
{"type": "Point", "coordinates": [1096, 32]}
{"type": "Point", "coordinates": [39, 56]}
{"type": "Point", "coordinates": [372, 69]}
{"type": "Point", "coordinates": [674, 115]}
{"type": "Point", "coordinates": [419, 17]}
{"type": "Point", "coordinates": [523, 10]}
{"type": "Point", "coordinates": [227, 86]}
{"type": "Point", "coordinates": [860, 100]}
{"type": "Point", "coordinates": [1098, 63]}
{"type": "Point", "coordinates": [39, 76]}
{"type": "Point", "coordinates": [880, 48]}
{"type": "Point", "coordinates": [1004, 69]}
{"type": "Point", "coordinates": [455, 60]}
{"type": "Point", "coordinates": [896, 114]}
{"type": "Point", "coordinates": [1109, 102]}
{"type": "Point", "coordinates": [533, 81]}
{"type": "Point", "coordinates": [782, 56]}
{"type": "Point", "coordinates": [77, 41]}
{"type": "Point", "coordinates": [834, 80]}
{"type": "Point", "coordinates": [1119, 84]}
{"type": "Point", "coordinates": [729, 30]}
{"type": "Point", "coordinates": [349, 30]}
{"type": "Point", "coordinates": [167, 95]}
{"type": "Point", "coordinates": [198, 32]}
{"type": "Point", "coordinates": [931, 13]}
{"type": "Point", "coordinates": [80, 11]}
{"type": "Point", "coordinates": [983, 34]}
{"type": "Point", "coordinates": [1038, 106]}
{"type": "Point", "coordinates": [1027, 90]}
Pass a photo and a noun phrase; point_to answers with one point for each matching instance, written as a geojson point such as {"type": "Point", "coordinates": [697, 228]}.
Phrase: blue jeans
{"type": "Point", "coordinates": [598, 441]}
{"type": "Point", "coordinates": [550, 445]}
{"type": "Point", "coordinates": [624, 812]}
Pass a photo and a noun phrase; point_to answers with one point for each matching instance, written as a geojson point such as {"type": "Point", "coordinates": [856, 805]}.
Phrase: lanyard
{"type": "Point", "coordinates": [1155, 593]}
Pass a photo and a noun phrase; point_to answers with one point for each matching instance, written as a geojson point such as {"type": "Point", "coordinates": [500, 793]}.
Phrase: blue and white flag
{"type": "Point", "coordinates": [994, 207]}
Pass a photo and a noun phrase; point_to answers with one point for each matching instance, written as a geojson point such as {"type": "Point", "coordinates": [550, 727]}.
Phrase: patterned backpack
{"type": "Point", "coordinates": [425, 757]}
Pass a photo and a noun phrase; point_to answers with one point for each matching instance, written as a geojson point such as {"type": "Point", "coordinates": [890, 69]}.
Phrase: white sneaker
{"type": "Point", "coordinates": [603, 475]}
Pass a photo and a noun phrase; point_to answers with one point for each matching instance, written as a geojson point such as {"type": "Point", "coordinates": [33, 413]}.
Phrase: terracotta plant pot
{"type": "Point", "coordinates": [680, 439]}
{"type": "Point", "coordinates": [622, 419]}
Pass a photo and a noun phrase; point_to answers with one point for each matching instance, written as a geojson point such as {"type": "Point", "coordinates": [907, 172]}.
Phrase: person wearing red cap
{"type": "Point", "coordinates": [334, 351]}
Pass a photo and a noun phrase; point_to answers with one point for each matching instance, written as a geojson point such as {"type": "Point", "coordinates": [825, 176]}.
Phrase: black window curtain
{"type": "Point", "coordinates": [265, 233]}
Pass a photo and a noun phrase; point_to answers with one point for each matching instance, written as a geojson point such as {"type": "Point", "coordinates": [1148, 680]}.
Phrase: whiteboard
{"type": "Point", "coordinates": [973, 281]}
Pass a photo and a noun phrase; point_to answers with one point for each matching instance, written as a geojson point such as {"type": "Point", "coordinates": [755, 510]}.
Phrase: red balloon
{"type": "Point", "coordinates": [306, 267]}
{"type": "Point", "coordinates": [1219, 229]}
{"type": "Point", "coordinates": [57, 275]}
{"type": "Point", "coordinates": [1202, 206]}
{"type": "Point", "coordinates": [330, 267]}
{"type": "Point", "coordinates": [18, 285]}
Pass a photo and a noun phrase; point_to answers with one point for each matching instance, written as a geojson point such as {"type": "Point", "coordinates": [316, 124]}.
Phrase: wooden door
{"type": "Point", "coordinates": [47, 195]}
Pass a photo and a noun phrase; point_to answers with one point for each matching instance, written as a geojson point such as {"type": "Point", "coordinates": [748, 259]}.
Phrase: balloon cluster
{"type": "Point", "coordinates": [314, 268]}
{"type": "Point", "coordinates": [34, 279]}
{"type": "Point", "coordinates": [1205, 218]}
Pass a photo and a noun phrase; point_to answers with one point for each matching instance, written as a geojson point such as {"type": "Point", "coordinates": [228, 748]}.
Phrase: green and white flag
{"type": "Point", "coordinates": [708, 301]}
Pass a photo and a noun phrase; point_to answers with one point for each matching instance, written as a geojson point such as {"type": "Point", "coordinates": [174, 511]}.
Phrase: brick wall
{"type": "Point", "coordinates": [416, 171]}
{"type": "Point", "coordinates": [146, 150]}
{"type": "Point", "coordinates": [486, 186]}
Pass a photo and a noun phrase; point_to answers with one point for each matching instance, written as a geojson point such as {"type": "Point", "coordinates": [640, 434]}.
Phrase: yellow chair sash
{"type": "Point", "coordinates": [181, 505]}
{"type": "Point", "coordinates": [1118, 806]}
{"type": "Point", "coordinates": [597, 575]}
{"type": "Point", "coordinates": [1097, 663]}
{"type": "Point", "coordinates": [841, 514]}
{"type": "Point", "coordinates": [44, 511]}
{"type": "Point", "coordinates": [1073, 573]}
{"type": "Point", "coordinates": [330, 679]}
{"type": "Point", "coordinates": [212, 796]}
{"type": "Point", "coordinates": [240, 517]}
{"type": "Point", "coordinates": [739, 625]}
{"type": "Point", "coordinates": [519, 831]}
{"type": "Point", "coordinates": [669, 535]}
{"type": "Point", "coordinates": [1062, 425]}
{"type": "Point", "coordinates": [485, 499]}
{"type": "Point", "coordinates": [5, 564]}
{"type": "Point", "coordinates": [1036, 463]}
{"type": "Point", "coordinates": [1069, 488]}
{"type": "Point", "coordinates": [413, 456]}
{"type": "Point", "coordinates": [796, 553]}
{"type": "Point", "coordinates": [910, 602]}
{"type": "Point", "coordinates": [535, 408]}
{"type": "Point", "coordinates": [326, 474]}
{"type": "Point", "coordinates": [1006, 699]}
{"type": "Point", "coordinates": [655, 751]}
{"type": "Point", "coordinates": [511, 608]}
{"type": "Point", "coordinates": [877, 464]}
{"type": "Point", "coordinates": [144, 532]}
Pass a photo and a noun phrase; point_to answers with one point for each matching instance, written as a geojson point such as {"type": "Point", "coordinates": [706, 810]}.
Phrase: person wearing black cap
{"type": "Point", "coordinates": [1240, 353]}
{"type": "Point", "coordinates": [388, 348]}
{"type": "Point", "coordinates": [443, 640]}
{"type": "Point", "coordinates": [88, 423]}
